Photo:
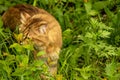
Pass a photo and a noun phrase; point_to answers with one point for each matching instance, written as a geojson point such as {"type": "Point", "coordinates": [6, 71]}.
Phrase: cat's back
{"type": "Point", "coordinates": [12, 16]}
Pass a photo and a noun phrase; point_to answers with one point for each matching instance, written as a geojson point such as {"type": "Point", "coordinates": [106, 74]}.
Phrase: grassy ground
{"type": "Point", "coordinates": [91, 42]}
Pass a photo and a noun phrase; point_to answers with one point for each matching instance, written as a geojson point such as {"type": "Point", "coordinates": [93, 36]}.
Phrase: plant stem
{"type": "Point", "coordinates": [34, 3]}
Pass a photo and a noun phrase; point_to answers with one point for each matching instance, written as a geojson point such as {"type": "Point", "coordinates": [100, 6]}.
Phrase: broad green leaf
{"type": "Point", "coordinates": [98, 5]}
{"type": "Point", "coordinates": [37, 63]}
{"type": "Point", "coordinates": [25, 60]}
{"type": "Point", "coordinates": [93, 12]}
{"type": "Point", "coordinates": [22, 60]}
{"type": "Point", "coordinates": [40, 53]}
{"type": "Point", "coordinates": [28, 46]}
{"type": "Point", "coordinates": [63, 0]}
{"type": "Point", "coordinates": [17, 46]}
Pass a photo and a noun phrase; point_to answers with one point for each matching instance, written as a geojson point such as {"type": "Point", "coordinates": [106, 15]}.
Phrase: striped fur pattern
{"type": "Point", "coordinates": [41, 27]}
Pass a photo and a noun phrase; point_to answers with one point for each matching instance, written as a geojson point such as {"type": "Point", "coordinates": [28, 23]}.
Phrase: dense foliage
{"type": "Point", "coordinates": [91, 41]}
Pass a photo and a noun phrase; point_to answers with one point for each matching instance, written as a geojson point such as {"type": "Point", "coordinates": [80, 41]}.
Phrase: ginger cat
{"type": "Point", "coordinates": [41, 27]}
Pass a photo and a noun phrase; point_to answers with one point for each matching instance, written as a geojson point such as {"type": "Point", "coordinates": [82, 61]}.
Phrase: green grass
{"type": "Point", "coordinates": [91, 42]}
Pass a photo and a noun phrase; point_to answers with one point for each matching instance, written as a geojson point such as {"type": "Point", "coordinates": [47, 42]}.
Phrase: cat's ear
{"type": "Point", "coordinates": [24, 16]}
{"type": "Point", "coordinates": [43, 27]}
